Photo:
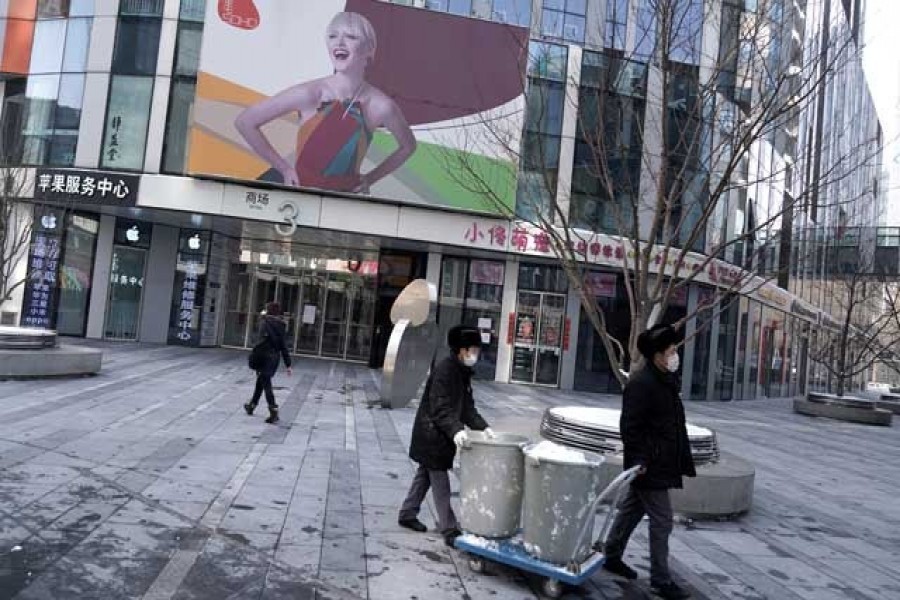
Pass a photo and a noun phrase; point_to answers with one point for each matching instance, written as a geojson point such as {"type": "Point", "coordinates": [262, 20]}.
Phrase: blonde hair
{"type": "Point", "coordinates": [359, 23]}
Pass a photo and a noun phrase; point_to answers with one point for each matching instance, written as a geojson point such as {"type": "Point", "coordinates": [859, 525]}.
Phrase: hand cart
{"type": "Point", "coordinates": [511, 552]}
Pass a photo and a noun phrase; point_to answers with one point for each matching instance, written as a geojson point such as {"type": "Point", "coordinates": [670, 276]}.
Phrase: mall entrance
{"type": "Point", "coordinates": [329, 310]}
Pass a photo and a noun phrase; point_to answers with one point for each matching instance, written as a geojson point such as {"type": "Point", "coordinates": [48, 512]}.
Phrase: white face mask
{"type": "Point", "coordinates": [470, 359]}
{"type": "Point", "coordinates": [673, 363]}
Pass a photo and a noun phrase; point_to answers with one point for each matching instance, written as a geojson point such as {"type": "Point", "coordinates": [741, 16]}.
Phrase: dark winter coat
{"type": "Point", "coordinates": [654, 431]}
{"type": "Point", "coordinates": [447, 407]}
{"type": "Point", "coordinates": [273, 333]}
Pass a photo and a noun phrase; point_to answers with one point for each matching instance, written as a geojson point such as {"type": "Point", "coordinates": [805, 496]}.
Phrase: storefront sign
{"type": "Point", "coordinates": [487, 272]}
{"type": "Point", "coordinates": [190, 287]}
{"type": "Point", "coordinates": [485, 235]}
{"type": "Point", "coordinates": [43, 272]}
{"type": "Point", "coordinates": [188, 300]}
{"type": "Point", "coordinates": [77, 188]}
{"type": "Point", "coordinates": [288, 210]}
{"type": "Point", "coordinates": [601, 285]}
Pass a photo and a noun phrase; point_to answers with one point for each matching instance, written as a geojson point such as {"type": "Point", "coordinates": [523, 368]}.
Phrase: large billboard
{"type": "Point", "coordinates": [360, 96]}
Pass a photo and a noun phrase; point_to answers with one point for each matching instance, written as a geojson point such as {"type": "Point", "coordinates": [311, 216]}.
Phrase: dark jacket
{"type": "Point", "coordinates": [447, 407]}
{"type": "Point", "coordinates": [653, 429]}
{"type": "Point", "coordinates": [273, 332]}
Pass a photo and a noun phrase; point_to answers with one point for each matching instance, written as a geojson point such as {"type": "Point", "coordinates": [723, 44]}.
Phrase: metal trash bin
{"type": "Point", "coordinates": [491, 483]}
{"type": "Point", "coordinates": [561, 484]}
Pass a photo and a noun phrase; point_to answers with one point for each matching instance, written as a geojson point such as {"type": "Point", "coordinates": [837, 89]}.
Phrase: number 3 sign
{"type": "Point", "coordinates": [291, 215]}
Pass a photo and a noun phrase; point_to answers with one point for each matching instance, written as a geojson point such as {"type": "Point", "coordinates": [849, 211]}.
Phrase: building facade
{"type": "Point", "coordinates": [153, 221]}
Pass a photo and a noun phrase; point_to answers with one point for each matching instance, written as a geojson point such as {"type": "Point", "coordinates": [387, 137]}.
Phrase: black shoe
{"type": "Point", "coordinates": [273, 416]}
{"type": "Point", "coordinates": [414, 524]}
{"type": "Point", "coordinates": [670, 591]}
{"type": "Point", "coordinates": [617, 566]}
{"type": "Point", "coordinates": [450, 536]}
{"type": "Point", "coordinates": [250, 407]}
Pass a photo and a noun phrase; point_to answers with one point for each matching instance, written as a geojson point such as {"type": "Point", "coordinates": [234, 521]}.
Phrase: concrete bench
{"type": "Point", "coordinates": [721, 490]}
{"type": "Point", "coordinates": [852, 410]}
{"type": "Point", "coordinates": [889, 402]}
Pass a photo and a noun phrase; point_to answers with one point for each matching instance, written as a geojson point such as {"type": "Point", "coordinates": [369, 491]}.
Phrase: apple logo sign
{"type": "Point", "coordinates": [133, 234]}
{"type": "Point", "coordinates": [48, 221]}
{"type": "Point", "coordinates": [194, 242]}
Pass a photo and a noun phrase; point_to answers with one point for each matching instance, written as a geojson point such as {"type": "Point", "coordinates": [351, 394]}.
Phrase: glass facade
{"type": "Point", "coordinates": [42, 112]}
{"type": "Point", "coordinates": [60, 268]}
{"type": "Point", "coordinates": [564, 19]}
{"type": "Point", "coordinates": [328, 298]}
{"type": "Point", "coordinates": [131, 243]}
{"type": "Point", "coordinates": [134, 61]}
{"type": "Point", "coordinates": [471, 293]}
{"type": "Point", "coordinates": [546, 99]}
{"type": "Point", "coordinates": [184, 86]}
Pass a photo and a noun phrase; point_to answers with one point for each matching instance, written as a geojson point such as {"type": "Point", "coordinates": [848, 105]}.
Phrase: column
{"type": "Point", "coordinates": [570, 354]}
{"type": "Point", "coordinates": [158, 284]}
{"type": "Point", "coordinates": [100, 281]}
{"type": "Point", "coordinates": [504, 348]}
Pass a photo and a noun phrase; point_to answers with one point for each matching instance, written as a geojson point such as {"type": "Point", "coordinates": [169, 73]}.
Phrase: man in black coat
{"type": "Point", "coordinates": [446, 409]}
{"type": "Point", "coordinates": [655, 437]}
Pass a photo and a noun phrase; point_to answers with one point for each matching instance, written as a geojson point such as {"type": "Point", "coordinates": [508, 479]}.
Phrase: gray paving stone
{"type": "Point", "coordinates": [120, 479]}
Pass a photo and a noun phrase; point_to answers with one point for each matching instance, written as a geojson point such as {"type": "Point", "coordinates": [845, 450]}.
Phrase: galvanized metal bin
{"type": "Point", "coordinates": [559, 491]}
{"type": "Point", "coordinates": [491, 484]}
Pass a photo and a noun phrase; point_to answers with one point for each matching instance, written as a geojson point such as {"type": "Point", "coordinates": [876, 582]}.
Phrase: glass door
{"type": "Point", "coordinates": [528, 311]}
{"type": "Point", "coordinates": [549, 351]}
{"type": "Point", "coordinates": [240, 283]}
{"type": "Point", "coordinates": [287, 294]}
{"type": "Point", "coordinates": [537, 351]}
{"type": "Point", "coordinates": [126, 288]}
{"type": "Point", "coordinates": [334, 329]}
{"type": "Point", "coordinates": [309, 324]}
{"type": "Point", "coordinates": [360, 315]}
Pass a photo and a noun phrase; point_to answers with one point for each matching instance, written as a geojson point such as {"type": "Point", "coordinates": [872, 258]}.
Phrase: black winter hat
{"type": "Point", "coordinates": [656, 339]}
{"type": "Point", "coordinates": [463, 337]}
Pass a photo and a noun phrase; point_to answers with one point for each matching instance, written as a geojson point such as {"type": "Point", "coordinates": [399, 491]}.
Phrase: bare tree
{"type": "Point", "coordinates": [866, 331]}
{"type": "Point", "coordinates": [668, 144]}
{"type": "Point", "coordinates": [15, 230]}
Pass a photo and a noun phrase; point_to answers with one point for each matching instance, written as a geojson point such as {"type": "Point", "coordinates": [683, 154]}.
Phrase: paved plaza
{"type": "Point", "coordinates": [150, 481]}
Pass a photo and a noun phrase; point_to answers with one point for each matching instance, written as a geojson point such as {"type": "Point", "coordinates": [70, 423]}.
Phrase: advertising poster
{"type": "Point", "coordinates": [360, 96]}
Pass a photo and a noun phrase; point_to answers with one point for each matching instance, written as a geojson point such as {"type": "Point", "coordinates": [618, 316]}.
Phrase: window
{"type": "Point", "coordinates": [564, 19]}
{"type": "Point", "coordinates": [67, 120]}
{"type": "Point", "coordinates": [609, 142]}
{"type": "Point", "coordinates": [52, 9]}
{"type": "Point", "coordinates": [181, 98]}
{"type": "Point", "coordinates": [455, 7]}
{"type": "Point", "coordinates": [78, 41]}
{"type": "Point", "coordinates": [127, 117]}
{"type": "Point", "coordinates": [687, 32]}
{"type": "Point", "coordinates": [146, 8]}
{"type": "Point", "coordinates": [514, 12]}
{"type": "Point", "coordinates": [137, 46]}
{"type": "Point", "coordinates": [616, 24]}
{"type": "Point", "coordinates": [181, 102]}
{"type": "Point", "coordinates": [192, 10]}
{"type": "Point", "coordinates": [49, 43]}
{"type": "Point", "coordinates": [545, 102]}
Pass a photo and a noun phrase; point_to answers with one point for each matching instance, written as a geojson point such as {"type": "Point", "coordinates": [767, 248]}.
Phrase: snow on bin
{"type": "Point", "coordinates": [561, 484]}
{"type": "Point", "coordinates": [491, 482]}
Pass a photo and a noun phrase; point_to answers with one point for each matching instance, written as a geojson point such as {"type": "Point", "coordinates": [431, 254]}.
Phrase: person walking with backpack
{"type": "Point", "coordinates": [266, 356]}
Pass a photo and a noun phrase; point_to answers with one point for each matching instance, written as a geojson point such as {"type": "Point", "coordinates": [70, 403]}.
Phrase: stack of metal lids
{"type": "Point", "coordinates": [597, 430]}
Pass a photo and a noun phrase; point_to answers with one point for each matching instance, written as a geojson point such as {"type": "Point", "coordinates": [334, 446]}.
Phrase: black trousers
{"type": "Point", "coordinates": [637, 503]}
{"type": "Point", "coordinates": [263, 384]}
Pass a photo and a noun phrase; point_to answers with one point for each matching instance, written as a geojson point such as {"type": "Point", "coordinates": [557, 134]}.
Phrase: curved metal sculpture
{"type": "Point", "coordinates": [412, 344]}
